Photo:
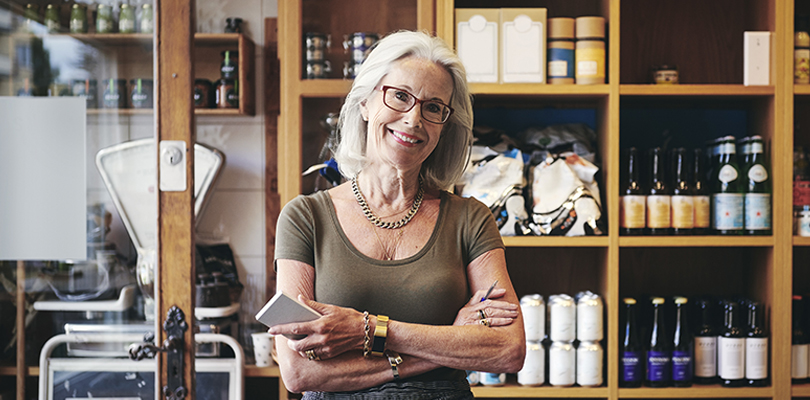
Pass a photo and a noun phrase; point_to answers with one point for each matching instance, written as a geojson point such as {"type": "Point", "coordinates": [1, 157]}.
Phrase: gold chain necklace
{"type": "Point", "coordinates": [374, 219]}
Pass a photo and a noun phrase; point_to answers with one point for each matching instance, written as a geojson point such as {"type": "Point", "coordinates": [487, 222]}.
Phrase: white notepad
{"type": "Point", "coordinates": [283, 309]}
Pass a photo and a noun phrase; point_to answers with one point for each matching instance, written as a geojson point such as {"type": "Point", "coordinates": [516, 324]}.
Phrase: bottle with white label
{"type": "Point", "coordinates": [756, 347]}
{"type": "Point", "coordinates": [706, 343]}
{"type": "Point", "coordinates": [731, 349]}
{"type": "Point", "coordinates": [757, 191]}
{"type": "Point", "coordinates": [799, 344]}
{"type": "Point", "coordinates": [659, 196]}
{"type": "Point", "coordinates": [727, 192]}
{"type": "Point", "coordinates": [700, 194]}
{"type": "Point", "coordinates": [632, 199]}
{"type": "Point", "coordinates": [683, 202]}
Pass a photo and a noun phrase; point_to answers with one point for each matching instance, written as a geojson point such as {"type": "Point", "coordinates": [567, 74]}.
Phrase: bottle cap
{"type": "Point", "coordinates": [630, 300]}
{"type": "Point", "coordinates": [590, 27]}
{"type": "Point", "coordinates": [658, 300]}
{"type": "Point", "coordinates": [561, 28]}
{"type": "Point", "coordinates": [681, 300]}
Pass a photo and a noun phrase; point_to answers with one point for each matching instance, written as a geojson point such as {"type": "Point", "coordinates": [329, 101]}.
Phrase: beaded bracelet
{"type": "Point", "coordinates": [367, 338]}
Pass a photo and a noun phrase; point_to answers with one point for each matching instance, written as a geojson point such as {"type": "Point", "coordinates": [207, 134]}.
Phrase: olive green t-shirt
{"type": "Point", "coordinates": [429, 287]}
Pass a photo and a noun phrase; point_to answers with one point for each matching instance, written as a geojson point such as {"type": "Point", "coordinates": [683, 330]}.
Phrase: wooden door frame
{"type": "Point", "coordinates": [174, 119]}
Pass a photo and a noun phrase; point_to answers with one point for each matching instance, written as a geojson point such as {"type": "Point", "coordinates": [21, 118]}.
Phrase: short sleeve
{"type": "Point", "coordinates": [482, 233]}
{"type": "Point", "coordinates": [295, 232]}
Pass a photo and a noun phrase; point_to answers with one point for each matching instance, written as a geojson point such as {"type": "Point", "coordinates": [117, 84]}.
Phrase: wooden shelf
{"type": "Point", "coordinates": [801, 390]}
{"type": "Point", "coordinates": [801, 89]}
{"type": "Point", "coordinates": [801, 241]}
{"type": "Point", "coordinates": [696, 90]}
{"type": "Point", "coordinates": [267, 372]}
{"type": "Point", "coordinates": [555, 241]}
{"type": "Point", "coordinates": [696, 241]}
{"type": "Point", "coordinates": [695, 392]}
{"type": "Point", "coordinates": [536, 89]}
{"type": "Point", "coordinates": [120, 111]}
{"type": "Point", "coordinates": [324, 87]}
{"type": "Point", "coordinates": [516, 391]}
{"type": "Point", "coordinates": [7, 370]}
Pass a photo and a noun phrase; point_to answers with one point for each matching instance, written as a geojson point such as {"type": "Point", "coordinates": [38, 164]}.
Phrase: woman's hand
{"type": "Point", "coordinates": [498, 313]}
{"type": "Point", "coordinates": [339, 330]}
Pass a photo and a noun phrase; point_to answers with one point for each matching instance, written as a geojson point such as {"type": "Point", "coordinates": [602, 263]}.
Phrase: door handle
{"type": "Point", "coordinates": [174, 325]}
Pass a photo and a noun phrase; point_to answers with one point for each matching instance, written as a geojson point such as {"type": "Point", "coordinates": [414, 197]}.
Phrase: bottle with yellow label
{"type": "Point", "coordinates": [801, 51]}
{"type": "Point", "coordinates": [700, 194]}
{"type": "Point", "coordinates": [632, 199]}
{"type": "Point", "coordinates": [683, 203]}
{"type": "Point", "coordinates": [659, 196]}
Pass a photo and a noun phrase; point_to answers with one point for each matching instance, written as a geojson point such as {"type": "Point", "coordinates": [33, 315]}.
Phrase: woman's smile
{"type": "Point", "coordinates": [404, 138]}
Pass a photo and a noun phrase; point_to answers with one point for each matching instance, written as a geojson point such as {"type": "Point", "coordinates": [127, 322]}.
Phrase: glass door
{"type": "Point", "coordinates": [99, 171]}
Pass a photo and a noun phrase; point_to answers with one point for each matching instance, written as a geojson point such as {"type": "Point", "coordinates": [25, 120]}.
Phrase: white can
{"type": "Point", "coordinates": [561, 364]}
{"type": "Point", "coordinates": [473, 377]}
{"type": "Point", "coordinates": [492, 379]}
{"type": "Point", "coordinates": [589, 364]}
{"type": "Point", "coordinates": [534, 316]}
{"type": "Point", "coordinates": [563, 317]}
{"type": "Point", "coordinates": [590, 325]}
{"type": "Point", "coordinates": [804, 223]}
{"type": "Point", "coordinates": [534, 365]}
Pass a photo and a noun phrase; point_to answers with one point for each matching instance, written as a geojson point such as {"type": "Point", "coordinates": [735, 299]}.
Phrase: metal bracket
{"type": "Point", "coordinates": [174, 325]}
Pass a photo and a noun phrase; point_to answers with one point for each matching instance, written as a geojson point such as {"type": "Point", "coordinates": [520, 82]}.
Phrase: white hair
{"type": "Point", "coordinates": [445, 165]}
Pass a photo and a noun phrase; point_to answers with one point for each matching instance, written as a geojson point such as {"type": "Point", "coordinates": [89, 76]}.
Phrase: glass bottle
{"type": "Point", "coordinates": [78, 19]}
{"type": "Point", "coordinates": [659, 199]}
{"type": "Point", "coordinates": [756, 347]}
{"type": "Point", "coordinates": [727, 193]}
{"type": "Point", "coordinates": [126, 19]}
{"type": "Point", "coordinates": [731, 348]}
{"type": "Point", "coordinates": [659, 353]}
{"type": "Point", "coordinates": [229, 68]}
{"type": "Point", "coordinates": [706, 343]}
{"type": "Point", "coordinates": [683, 202]}
{"type": "Point", "coordinates": [700, 194]}
{"type": "Point", "coordinates": [801, 51]}
{"type": "Point", "coordinates": [744, 146]}
{"type": "Point", "coordinates": [757, 191]}
{"type": "Point", "coordinates": [682, 359]}
{"type": "Point", "coordinates": [632, 200]}
{"type": "Point", "coordinates": [801, 183]}
{"type": "Point", "coordinates": [631, 349]}
{"type": "Point", "coordinates": [147, 19]}
{"type": "Point", "coordinates": [104, 19]}
{"type": "Point", "coordinates": [799, 344]}
{"type": "Point", "coordinates": [52, 18]}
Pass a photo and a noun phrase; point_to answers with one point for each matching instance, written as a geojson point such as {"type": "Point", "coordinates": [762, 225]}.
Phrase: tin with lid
{"type": "Point", "coordinates": [561, 50]}
{"type": "Point", "coordinates": [533, 308]}
{"type": "Point", "coordinates": [665, 74]}
{"type": "Point", "coordinates": [590, 50]}
{"type": "Point", "coordinates": [114, 95]}
{"type": "Point", "coordinates": [203, 91]}
{"type": "Point", "coordinates": [227, 93]}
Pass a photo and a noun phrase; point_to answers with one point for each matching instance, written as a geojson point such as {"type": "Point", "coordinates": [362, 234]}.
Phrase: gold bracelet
{"type": "Point", "coordinates": [366, 338]}
{"type": "Point", "coordinates": [394, 359]}
{"type": "Point", "coordinates": [380, 334]}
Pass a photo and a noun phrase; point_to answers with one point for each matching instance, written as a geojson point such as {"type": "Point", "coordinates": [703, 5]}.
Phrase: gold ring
{"type": "Point", "coordinates": [484, 322]}
{"type": "Point", "coordinates": [483, 314]}
{"type": "Point", "coordinates": [311, 356]}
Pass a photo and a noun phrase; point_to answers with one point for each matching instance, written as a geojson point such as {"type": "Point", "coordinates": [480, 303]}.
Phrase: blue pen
{"type": "Point", "coordinates": [486, 296]}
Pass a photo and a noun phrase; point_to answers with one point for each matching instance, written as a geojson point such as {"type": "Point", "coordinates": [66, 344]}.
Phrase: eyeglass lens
{"type": "Point", "coordinates": [402, 101]}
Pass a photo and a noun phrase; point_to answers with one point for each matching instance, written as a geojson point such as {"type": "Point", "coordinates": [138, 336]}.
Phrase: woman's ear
{"type": "Point", "coordinates": [364, 110]}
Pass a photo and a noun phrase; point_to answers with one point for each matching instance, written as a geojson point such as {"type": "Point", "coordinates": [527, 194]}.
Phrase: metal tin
{"type": "Point", "coordinates": [533, 372]}
{"type": "Point", "coordinates": [665, 75]}
{"type": "Point", "coordinates": [315, 54]}
{"type": "Point", "coordinates": [359, 44]}
{"type": "Point", "coordinates": [315, 40]}
{"type": "Point", "coordinates": [590, 311]}
{"type": "Point", "coordinates": [492, 379]}
{"type": "Point", "coordinates": [589, 364]}
{"type": "Point", "coordinates": [561, 364]}
{"type": "Point", "coordinates": [318, 69]}
{"type": "Point", "coordinates": [562, 318]}
{"type": "Point", "coordinates": [533, 308]}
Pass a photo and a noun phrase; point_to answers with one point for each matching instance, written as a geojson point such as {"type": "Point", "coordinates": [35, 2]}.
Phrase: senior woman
{"type": "Point", "coordinates": [398, 266]}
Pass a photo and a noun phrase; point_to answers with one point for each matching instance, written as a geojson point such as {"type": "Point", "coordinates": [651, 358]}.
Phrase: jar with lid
{"type": "Point", "coordinates": [202, 94]}
{"type": "Point", "coordinates": [87, 88]}
{"type": "Point", "coordinates": [126, 19]}
{"type": "Point", "coordinates": [141, 95]}
{"type": "Point", "coordinates": [560, 51]}
{"type": "Point", "coordinates": [31, 17]}
{"type": "Point", "coordinates": [230, 64]}
{"type": "Point", "coordinates": [78, 19]}
{"type": "Point", "coordinates": [227, 93]}
{"type": "Point", "coordinates": [147, 19]}
{"type": "Point", "coordinates": [114, 93]}
{"type": "Point", "coordinates": [590, 50]}
{"type": "Point", "coordinates": [52, 18]}
{"type": "Point", "coordinates": [233, 25]}
{"type": "Point", "coordinates": [665, 75]}
{"type": "Point", "coordinates": [801, 51]}
{"type": "Point", "coordinates": [104, 19]}
{"type": "Point", "coordinates": [58, 89]}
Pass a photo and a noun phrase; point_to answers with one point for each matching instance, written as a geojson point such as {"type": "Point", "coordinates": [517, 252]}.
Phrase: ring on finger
{"type": "Point", "coordinates": [311, 356]}
{"type": "Point", "coordinates": [483, 314]}
{"type": "Point", "coordinates": [484, 322]}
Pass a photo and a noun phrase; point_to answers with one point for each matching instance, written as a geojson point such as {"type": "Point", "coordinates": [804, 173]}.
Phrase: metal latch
{"type": "Point", "coordinates": [174, 325]}
{"type": "Point", "coordinates": [172, 168]}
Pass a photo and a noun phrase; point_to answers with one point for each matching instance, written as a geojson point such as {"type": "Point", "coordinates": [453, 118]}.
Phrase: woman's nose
{"type": "Point", "coordinates": [414, 116]}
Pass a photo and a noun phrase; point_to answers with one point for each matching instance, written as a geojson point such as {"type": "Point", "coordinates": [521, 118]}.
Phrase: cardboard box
{"type": "Point", "coordinates": [756, 58]}
{"type": "Point", "coordinates": [523, 45]}
{"type": "Point", "coordinates": [477, 42]}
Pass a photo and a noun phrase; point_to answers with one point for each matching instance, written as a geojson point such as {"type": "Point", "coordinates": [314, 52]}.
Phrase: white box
{"type": "Point", "coordinates": [477, 43]}
{"type": "Point", "coordinates": [756, 58]}
{"type": "Point", "coordinates": [523, 45]}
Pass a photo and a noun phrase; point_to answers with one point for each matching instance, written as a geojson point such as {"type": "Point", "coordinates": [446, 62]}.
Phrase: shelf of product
{"type": "Point", "coordinates": [555, 241]}
{"type": "Point", "coordinates": [703, 90]}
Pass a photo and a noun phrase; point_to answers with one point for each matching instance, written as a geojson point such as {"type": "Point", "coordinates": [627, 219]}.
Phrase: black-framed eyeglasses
{"type": "Point", "coordinates": [402, 101]}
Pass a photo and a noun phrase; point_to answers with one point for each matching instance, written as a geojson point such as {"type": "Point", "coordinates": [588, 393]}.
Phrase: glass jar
{"type": "Point", "coordinates": [147, 19]}
{"type": "Point", "coordinates": [230, 64]}
{"type": "Point", "coordinates": [126, 19]}
{"type": "Point", "coordinates": [233, 25]}
{"type": "Point", "coordinates": [114, 93]}
{"type": "Point", "coordinates": [227, 93]}
{"type": "Point", "coordinates": [665, 75]}
{"type": "Point", "coordinates": [104, 19]}
{"type": "Point", "coordinates": [52, 18]}
{"type": "Point", "coordinates": [141, 95]}
{"type": "Point", "coordinates": [58, 89]}
{"type": "Point", "coordinates": [31, 16]}
{"type": "Point", "coordinates": [87, 88]}
{"type": "Point", "coordinates": [78, 19]}
{"type": "Point", "coordinates": [202, 94]}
